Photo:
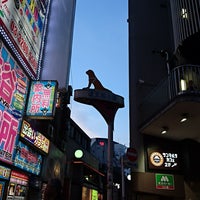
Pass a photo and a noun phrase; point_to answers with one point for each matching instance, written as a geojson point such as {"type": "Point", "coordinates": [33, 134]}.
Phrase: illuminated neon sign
{"type": "Point", "coordinates": [27, 159]}
{"type": "Point", "coordinates": [167, 160]}
{"type": "Point", "coordinates": [34, 137]}
{"type": "Point", "coordinates": [23, 21]}
{"type": "Point", "coordinates": [8, 135]}
{"type": "Point", "coordinates": [41, 102]}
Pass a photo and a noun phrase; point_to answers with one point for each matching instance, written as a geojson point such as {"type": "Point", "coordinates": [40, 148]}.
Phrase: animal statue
{"type": "Point", "coordinates": [93, 80]}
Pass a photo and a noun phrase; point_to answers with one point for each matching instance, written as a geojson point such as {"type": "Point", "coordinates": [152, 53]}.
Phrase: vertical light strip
{"type": "Point", "coordinates": [193, 16]}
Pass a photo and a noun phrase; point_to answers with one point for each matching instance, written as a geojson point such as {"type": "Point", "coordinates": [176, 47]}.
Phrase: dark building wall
{"type": "Point", "coordinates": [150, 31]}
{"type": "Point", "coordinates": [154, 26]}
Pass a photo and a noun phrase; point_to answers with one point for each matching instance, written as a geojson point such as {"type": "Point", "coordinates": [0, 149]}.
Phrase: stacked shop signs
{"type": "Point", "coordinates": [14, 84]}
{"type": "Point", "coordinates": [22, 33]}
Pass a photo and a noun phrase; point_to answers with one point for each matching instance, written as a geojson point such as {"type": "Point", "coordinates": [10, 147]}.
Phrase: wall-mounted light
{"type": "Point", "coordinates": [184, 117]}
{"type": "Point", "coordinates": [183, 85]}
{"type": "Point", "coordinates": [164, 130]}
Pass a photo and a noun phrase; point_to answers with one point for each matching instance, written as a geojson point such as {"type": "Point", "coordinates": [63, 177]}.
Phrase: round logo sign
{"type": "Point", "coordinates": [156, 159]}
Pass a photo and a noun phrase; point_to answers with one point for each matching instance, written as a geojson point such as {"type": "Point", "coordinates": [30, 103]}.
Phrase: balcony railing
{"type": "Point", "coordinates": [182, 80]}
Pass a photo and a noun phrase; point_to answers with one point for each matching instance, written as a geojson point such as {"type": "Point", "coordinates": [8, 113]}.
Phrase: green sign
{"type": "Point", "coordinates": [164, 181]}
{"type": "Point", "coordinates": [94, 195]}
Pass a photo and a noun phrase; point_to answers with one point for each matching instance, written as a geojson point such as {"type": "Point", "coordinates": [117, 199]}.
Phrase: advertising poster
{"type": "Point", "coordinates": [34, 137]}
{"type": "Point", "coordinates": [27, 159]}
{"type": "Point", "coordinates": [41, 101]}
{"type": "Point", "coordinates": [23, 22]}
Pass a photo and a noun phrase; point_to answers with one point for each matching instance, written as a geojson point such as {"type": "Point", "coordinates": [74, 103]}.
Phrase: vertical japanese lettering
{"type": "Point", "coordinates": [8, 132]}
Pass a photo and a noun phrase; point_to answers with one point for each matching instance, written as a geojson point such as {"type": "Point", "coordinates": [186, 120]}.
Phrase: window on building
{"type": "Point", "coordinates": [184, 13]}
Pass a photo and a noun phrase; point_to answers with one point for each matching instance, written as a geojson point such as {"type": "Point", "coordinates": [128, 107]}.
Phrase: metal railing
{"type": "Point", "coordinates": [182, 80]}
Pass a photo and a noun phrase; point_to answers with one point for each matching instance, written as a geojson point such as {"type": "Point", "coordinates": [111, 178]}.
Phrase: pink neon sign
{"type": "Point", "coordinates": [8, 135]}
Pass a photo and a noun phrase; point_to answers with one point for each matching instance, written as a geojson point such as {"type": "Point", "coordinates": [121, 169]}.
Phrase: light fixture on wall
{"type": "Point", "coordinates": [184, 117]}
{"type": "Point", "coordinates": [164, 130]}
{"type": "Point", "coordinates": [183, 85]}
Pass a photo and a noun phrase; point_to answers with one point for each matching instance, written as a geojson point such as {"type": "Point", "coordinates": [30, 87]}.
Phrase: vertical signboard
{"type": "Point", "coordinates": [13, 93]}
{"type": "Point", "coordinates": [41, 102]}
{"type": "Point", "coordinates": [23, 22]}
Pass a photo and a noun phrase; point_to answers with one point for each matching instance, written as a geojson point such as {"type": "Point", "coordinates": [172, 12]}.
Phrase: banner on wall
{"type": "Point", "coordinates": [34, 137]}
{"type": "Point", "coordinates": [42, 99]}
{"type": "Point", "coordinates": [23, 22]}
{"type": "Point", "coordinates": [27, 159]}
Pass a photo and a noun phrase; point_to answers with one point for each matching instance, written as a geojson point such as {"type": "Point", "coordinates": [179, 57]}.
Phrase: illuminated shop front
{"type": "Point", "coordinates": [18, 186]}
{"type": "Point", "coordinates": [91, 194]}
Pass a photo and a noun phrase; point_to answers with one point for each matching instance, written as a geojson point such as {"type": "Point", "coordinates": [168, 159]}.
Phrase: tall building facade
{"type": "Point", "coordinates": [35, 53]}
{"type": "Point", "coordinates": [164, 92]}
